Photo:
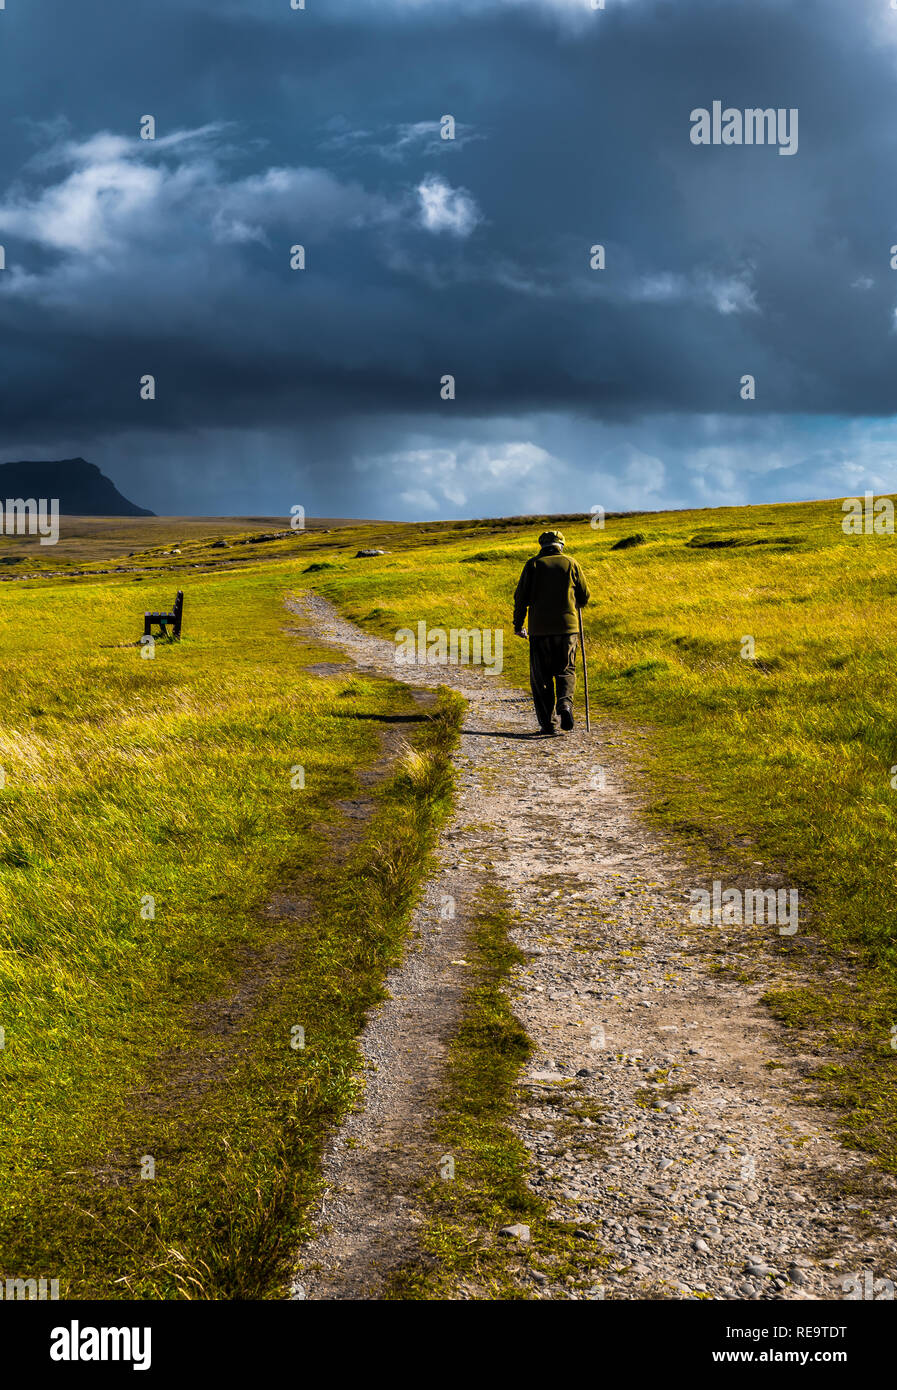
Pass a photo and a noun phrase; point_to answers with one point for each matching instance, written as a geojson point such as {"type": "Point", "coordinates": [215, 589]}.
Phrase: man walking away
{"type": "Point", "coordinates": [552, 587]}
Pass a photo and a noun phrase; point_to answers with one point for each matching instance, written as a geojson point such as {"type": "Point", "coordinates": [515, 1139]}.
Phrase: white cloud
{"type": "Point", "coordinates": [303, 198]}
{"type": "Point", "coordinates": [463, 473]}
{"type": "Point", "coordinates": [420, 135]}
{"type": "Point", "coordinates": [627, 478]}
{"type": "Point", "coordinates": [397, 143]}
{"type": "Point", "coordinates": [730, 295]}
{"type": "Point", "coordinates": [508, 460]}
{"type": "Point", "coordinates": [87, 211]}
{"type": "Point", "coordinates": [116, 194]}
{"type": "Point", "coordinates": [727, 294]}
{"type": "Point", "coordinates": [446, 209]}
{"type": "Point", "coordinates": [419, 500]}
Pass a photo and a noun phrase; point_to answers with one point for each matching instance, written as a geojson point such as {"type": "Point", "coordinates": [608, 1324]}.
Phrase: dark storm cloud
{"type": "Point", "coordinates": [427, 257]}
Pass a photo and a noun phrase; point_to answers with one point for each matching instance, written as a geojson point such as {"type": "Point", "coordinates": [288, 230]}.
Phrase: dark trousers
{"type": "Point", "coordinates": [552, 663]}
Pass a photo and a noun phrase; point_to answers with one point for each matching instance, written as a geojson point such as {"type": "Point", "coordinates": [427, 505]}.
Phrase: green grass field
{"type": "Point", "coordinates": [150, 809]}
{"type": "Point", "coordinates": [162, 1030]}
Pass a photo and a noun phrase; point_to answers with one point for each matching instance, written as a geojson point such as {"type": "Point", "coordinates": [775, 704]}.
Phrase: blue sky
{"type": "Point", "coordinates": [470, 257]}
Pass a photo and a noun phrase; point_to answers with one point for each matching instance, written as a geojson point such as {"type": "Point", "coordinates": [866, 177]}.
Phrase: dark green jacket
{"type": "Point", "coordinates": [552, 587]}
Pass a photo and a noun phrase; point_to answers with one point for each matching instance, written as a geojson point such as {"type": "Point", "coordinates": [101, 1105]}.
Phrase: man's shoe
{"type": "Point", "coordinates": [565, 710]}
{"type": "Point", "coordinates": [550, 730]}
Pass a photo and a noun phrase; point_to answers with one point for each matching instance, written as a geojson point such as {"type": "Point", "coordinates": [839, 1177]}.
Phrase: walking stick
{"type": "Point", "coordinates": [585, 672]}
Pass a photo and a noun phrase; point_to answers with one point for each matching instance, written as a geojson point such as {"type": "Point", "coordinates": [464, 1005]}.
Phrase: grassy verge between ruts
{"type": "Point", "coordinates": [162, 1132]}
{"type": "Point", "coordinates": [461, 1253]}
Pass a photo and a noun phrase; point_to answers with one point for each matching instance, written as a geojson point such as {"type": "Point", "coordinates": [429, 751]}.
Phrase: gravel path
{"type": "Point", "coordinates": [705, 1173]}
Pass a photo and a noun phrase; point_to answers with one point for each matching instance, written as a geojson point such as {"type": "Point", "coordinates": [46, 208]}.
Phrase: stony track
{"type": "Point", "coordinates": [653, 1120]}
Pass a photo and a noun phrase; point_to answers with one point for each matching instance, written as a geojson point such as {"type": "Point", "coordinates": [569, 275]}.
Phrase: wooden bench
{"type": "Point", "coordinates": [161, 620]}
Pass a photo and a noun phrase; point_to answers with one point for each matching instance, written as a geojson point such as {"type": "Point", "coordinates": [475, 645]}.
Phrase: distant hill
{"type": "Point", "coordinates": [81, 488]}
